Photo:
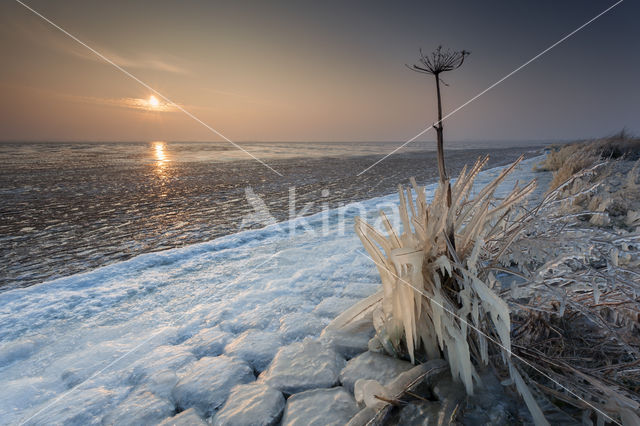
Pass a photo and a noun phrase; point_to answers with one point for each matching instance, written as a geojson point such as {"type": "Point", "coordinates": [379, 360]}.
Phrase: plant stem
{"type": "Point", "coordinates": [440, 135]}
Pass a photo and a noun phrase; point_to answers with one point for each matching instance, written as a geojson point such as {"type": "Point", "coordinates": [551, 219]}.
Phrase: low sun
{"type": "Point", "coordinates": [153, 101]}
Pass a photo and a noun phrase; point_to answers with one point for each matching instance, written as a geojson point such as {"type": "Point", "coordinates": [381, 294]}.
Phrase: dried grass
{"type": "Point", "coordinates": [574, 317]}
{"type": "Point", "coordinates": [576, 313]}
{"type": "Point", "coordinates": [567, 160]}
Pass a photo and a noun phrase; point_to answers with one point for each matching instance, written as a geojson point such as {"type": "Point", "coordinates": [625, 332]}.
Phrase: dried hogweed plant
{"type": "Point", "coordinates": [438, 296]}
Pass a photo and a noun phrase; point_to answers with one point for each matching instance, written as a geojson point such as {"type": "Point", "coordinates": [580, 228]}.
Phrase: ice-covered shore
{"type": "Point", "coordinates": [122, 340]}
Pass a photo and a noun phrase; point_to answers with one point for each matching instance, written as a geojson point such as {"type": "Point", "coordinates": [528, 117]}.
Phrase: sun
{"type": "Point", "coordinates": [153, 101]}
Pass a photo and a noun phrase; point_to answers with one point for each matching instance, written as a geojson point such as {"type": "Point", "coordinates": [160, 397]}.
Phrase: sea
{"type": "Point", "coordinates": [69, 207]}
{"type": "Point", "coordinates": [130, 270]}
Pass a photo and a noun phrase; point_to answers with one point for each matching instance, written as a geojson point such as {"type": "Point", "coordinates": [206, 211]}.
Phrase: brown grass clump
{"type": "Point", "coordinates": [578, 160]}
{"type": "Point", "coordinates": [567, 160]}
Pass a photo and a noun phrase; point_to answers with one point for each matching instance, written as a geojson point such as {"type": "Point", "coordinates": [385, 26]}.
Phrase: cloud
{"type": "Point", "coordinates": [144, 62]}
{"type": "Point", "coordinates": [128, 103]}
{"type": "Point", "coordinates": [141, 104]}
{"type": "Point", "coordinates": [41, 34]}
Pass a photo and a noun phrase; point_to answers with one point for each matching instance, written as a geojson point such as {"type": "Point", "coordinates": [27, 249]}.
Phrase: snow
{"type": "Point", "coordinates": [82, 407]}
{"type": "Point", "coordinates": [161, 384]}
{"type": "Point", "coordinates": [18, 350]}
{"type": "Point", "coordinates": [253, 404]}
{"type": "Point", "coordinates": [73, 349]}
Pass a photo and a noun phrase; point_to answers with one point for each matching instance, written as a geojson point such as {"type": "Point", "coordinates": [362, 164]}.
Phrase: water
{"type": "Point", "coordinates": [71, 207]}
{"type": "Point", "coordinates": [113, 341]}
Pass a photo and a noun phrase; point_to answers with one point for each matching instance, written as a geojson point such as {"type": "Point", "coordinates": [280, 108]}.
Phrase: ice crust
{"type": "Point", "coordinates": [207, 384]}
{"type": "Point", "coordinates": [255, 347]}
{"type": "Point", "coordinates": [303, 366]}
{"type": "Point", "coordinates": [188, 417]}
{"type": "Point", "coordinates": [79, 349]}
{"type": "Point", "coordinates": [320, 407]}
{"type": "Point", "coordinates": [253, 404]}
{"type": "Point", "coordinates": [372, 366]}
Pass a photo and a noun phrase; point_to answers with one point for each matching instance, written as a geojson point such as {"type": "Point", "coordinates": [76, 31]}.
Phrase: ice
{"type": "Point", "coordinates": [253, 404]}
{"type": "Point", "coordinates": [415, 414]}
{"type": "Point", "coordinates": [333, 306]}
{"type": "Point", "coordinates": [363, 417]}
{"type": "Point", "coordinates": [208, 383]}
{"type": "Point", "coordinates": [140, 408]}
{"type": "Point", "coordinates": [188, 417]}
{"type": "Point", "coordinates": [367, 392]}
{"type": "Point", "coordinates": [320, 407]}
{"type": "Point", "coordinates": [351, 339]}
{"type": "Point", "coordinates": [256, 347]}
{"type": "Point", "coordinates": [302, 366]}
{"type": "Point", "coordinates": [372, 366]}
{"type": "Point", "coordinates": [162, 358]}
{"type": "Point", "coordinates": [18, 350]}
{"type": "Point", "coordinates": [82, 407]}
{"type": "Point", "coordinates": [115, 330]}
{"type": "Point", "coordinates": [161, 383]}
{"type": "Point", "coordinates": [208, 342]}
{"type": "Point", "coordinates": [298, 325]}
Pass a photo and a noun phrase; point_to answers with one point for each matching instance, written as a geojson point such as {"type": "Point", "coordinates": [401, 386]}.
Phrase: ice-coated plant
{"type": "Point", "coordinates": [438, 296]}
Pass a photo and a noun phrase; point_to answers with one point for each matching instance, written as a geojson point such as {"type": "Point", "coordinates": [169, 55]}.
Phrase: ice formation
{"type": "Point", "coordinates": [83, 348]}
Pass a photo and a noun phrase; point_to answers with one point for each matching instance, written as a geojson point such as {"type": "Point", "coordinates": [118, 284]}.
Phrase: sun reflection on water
{"type": "Point", "coordinates": [161, 157]}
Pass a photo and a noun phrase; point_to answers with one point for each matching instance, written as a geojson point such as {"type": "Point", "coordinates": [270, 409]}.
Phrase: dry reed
{"type": "Point", "coordinates": [574, 317]}
{"type": "Point", "coordinates": [438, 297]}
{"type": "Point", "coordinates": [566, 160]}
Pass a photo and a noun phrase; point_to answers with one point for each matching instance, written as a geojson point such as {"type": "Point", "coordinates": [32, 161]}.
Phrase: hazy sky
{"type": "Point", "coordinates": [322, 71]}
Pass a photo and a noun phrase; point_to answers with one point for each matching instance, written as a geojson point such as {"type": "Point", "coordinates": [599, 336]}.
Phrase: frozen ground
{"type": "Point", "coordinates": [120, 342]}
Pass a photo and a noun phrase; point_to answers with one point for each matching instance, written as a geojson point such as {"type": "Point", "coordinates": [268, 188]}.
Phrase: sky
{"type": "Point", "coordinates": [315, 71]}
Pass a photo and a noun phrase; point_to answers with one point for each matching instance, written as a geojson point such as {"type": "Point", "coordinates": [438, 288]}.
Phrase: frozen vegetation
{"type": "Point", "coordinates": [564, 332]}
{"type": "Point", "coordinates": [174, 333]}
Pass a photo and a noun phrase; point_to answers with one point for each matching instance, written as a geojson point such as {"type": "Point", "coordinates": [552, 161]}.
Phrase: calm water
{"type": "Point", "coordinates": [69, 207]}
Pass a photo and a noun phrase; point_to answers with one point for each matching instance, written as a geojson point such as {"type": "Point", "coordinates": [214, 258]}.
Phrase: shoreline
{"type": "Point", "coordinates": [289, 303]}
{"type": "Point", "coordinates": [174, 205]}
{"type": "Point", "coordinates": [215, 341]}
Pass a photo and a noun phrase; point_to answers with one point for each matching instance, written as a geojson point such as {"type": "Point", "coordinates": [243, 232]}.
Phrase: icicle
{"type": "Point", "coordinates": [532, 405]}
{"type": "Point", "coordinates": [417, 305]}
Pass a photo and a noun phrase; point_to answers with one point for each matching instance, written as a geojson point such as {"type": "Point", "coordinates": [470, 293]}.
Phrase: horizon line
{"type": "Point", "coordinates": [546, 140]}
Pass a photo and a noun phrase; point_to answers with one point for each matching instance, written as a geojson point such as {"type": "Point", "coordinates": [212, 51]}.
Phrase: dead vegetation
{"type": "Point", "coordinates": [576, 309]}
{"type": "Point", "coordinates": [566, 332]}
{"type": "Point", "coordinates": [566, 160]}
